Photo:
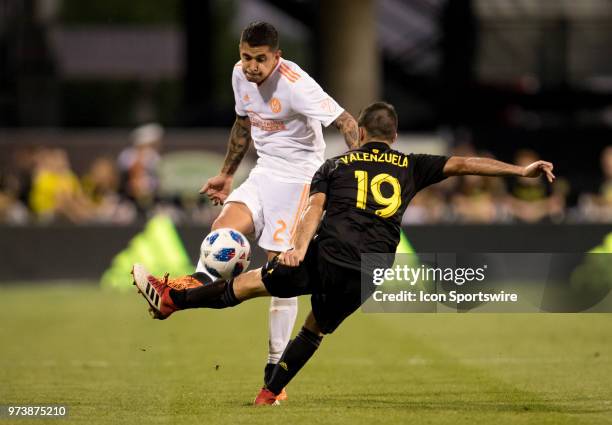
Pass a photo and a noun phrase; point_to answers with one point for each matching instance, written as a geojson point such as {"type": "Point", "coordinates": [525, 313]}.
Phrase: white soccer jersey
{"type": "Point", "coordinates": [286, 112]}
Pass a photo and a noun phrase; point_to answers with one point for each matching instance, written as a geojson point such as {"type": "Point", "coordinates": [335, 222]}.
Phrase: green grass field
{"type": "Point", "coordinates": [100, 354]}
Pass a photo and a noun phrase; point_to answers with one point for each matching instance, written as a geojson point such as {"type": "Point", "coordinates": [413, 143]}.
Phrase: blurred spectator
{"type": "Point", "coordinates": [428, 206]}
{"type": "Point", "coordinates": [138, 166]}
{"type": "Point", "coordinates": [534, 200]}
{"type": "Point", "coordinates": [101, 180]}
{"type": "Point", "coordinates": [15, 186]}
{"type": "Point", "coordinates": [56, 190]}
{"type": "Point", "coordinates": [598, 207]}
{"type": "Point", "coordinates": [100, 186]}
{"type": "Point", "coordinates": [478, 199]}
{"type": "Point", "coordinates": [20, 173]}
{"type": "Point", "coordinates": [11, 210]}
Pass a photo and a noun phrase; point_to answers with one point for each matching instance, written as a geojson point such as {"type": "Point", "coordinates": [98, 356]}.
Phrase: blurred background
{"type": "Point", "coordinates": [112, 112]}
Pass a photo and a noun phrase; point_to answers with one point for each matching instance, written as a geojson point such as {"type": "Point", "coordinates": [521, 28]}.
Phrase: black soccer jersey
{"type": "Point", "coordinates": [367, 193]}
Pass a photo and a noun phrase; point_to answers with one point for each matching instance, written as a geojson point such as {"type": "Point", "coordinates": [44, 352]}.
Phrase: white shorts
{"type": "Point", "coordinates": [276, 208]}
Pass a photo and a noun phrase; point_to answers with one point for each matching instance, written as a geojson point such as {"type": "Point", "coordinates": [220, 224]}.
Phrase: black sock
{"type": "Point", "coordinates": [294, 357]}
{"type": "Point", "coordinates": [218, 294]}
{"type": "Point", "coordinates": [179, 297]}
{"type": "Point", "coordinates": [268, 371]}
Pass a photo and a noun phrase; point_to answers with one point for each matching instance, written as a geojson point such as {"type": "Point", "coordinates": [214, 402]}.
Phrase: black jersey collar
{"type": "Point", "coordinates": [376, 145]}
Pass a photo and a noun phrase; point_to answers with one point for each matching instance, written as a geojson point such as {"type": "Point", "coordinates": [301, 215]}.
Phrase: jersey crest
{"type": "Point", "coordinates": [275, 105]}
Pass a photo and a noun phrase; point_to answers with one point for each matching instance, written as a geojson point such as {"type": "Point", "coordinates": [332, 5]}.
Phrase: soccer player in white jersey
{"type": "Point", "coordinates": [281, 109]}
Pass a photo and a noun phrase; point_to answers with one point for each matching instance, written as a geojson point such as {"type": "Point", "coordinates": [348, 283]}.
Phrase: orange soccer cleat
{"type": "Point", "coordinates": [265, 397]}
{"type": "Point", "coordinates": [157, 291]}
{"type": "Point", "coordinates": [282, 396]}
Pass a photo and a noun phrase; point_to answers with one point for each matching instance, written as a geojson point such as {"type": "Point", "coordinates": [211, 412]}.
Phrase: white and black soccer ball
{"type": "Point", "coordinates": [225, 253]}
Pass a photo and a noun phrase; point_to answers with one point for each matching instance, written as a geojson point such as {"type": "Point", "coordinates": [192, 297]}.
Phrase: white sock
{"type": "Point", "coordinates": [282, 318]}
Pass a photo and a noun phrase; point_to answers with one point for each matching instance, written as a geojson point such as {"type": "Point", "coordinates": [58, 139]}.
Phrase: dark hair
{"type": "Point", "coordinates": [380, 120]}
{"type": "Point", "coordinates": [260, 34]}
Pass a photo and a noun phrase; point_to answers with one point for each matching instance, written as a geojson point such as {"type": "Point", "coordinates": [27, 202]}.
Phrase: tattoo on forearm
{"type": "Point", "coordinates": [348, 127]}
{"type": "Point", "coordinates": [240, 139]}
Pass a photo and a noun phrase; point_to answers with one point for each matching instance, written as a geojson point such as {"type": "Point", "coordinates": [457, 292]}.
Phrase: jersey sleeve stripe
{"type": "Point", "coordinates": [288, 77]}
{"type": "Point", "coordinates": [290, 71]}
{"type": "Point", "coordinates": [291, 75]}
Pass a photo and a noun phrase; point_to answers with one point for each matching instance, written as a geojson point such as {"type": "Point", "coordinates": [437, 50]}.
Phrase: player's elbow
{"type": "Point", "coordinates": [243, 121]}
{"type": "Point", "coordinates": [345, 122]}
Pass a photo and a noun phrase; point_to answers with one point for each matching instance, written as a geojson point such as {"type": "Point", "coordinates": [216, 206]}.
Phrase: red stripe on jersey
{"type": "Point", "coordinates": [289, 71]}
{"type": "Point", "coordinates": [287, 75]}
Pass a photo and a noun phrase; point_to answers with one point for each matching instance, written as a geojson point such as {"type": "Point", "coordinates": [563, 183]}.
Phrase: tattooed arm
{"type": "Point", "coordinates": [239, 141]}
{"type": "Point", "coordinates": [348, 127]}
{"type": "Point", "coordinates": [217, 188]}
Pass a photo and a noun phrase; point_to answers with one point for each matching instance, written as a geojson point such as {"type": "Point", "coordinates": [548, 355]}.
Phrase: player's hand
{"type": "Point", "coordinates": [291, 258]}
{"type": "Point", "coordinates": [538, 168]}
{"type": "Point", "coordinates": [217, 188]}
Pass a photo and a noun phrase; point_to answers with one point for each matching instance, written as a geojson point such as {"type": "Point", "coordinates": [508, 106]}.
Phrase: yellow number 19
{"type": "Point", "coordinates": [391, 203]}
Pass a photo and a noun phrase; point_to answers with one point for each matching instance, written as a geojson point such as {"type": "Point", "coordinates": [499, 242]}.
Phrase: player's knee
{"type": "Point", "coordinates": [237, 216]}
{"type": "Point", "coordinates": [230, 216]}
{"type": "Point", "coordinates": [219, 223]}
{"type": "Point", "coordinates": [249, 285]}
{"type": "Point", "coordinates": [312, 325]}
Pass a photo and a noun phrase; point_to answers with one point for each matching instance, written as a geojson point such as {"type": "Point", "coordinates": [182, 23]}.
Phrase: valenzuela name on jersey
{"type": "Point", "coordinates": [391, 158]}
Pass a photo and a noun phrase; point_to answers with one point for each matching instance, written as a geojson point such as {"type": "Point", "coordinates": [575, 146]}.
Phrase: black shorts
{"type": "Point", "coordinates": [336, 290]}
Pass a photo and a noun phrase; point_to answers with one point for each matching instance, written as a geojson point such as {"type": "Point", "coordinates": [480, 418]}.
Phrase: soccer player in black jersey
{"type": "Point", "coordinates": [363, 194]}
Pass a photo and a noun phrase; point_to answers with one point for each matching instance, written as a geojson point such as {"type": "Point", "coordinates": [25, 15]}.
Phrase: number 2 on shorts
{"type": "Point", "coordinates": [282, 226]}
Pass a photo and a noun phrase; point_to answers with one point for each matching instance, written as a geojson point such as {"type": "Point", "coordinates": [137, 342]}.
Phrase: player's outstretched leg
{"type": "Point", "coordinates": [164, 299]}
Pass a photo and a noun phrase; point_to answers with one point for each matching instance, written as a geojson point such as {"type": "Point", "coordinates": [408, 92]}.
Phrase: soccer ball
{"type": "Point", "coordinates": [225, 253]}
